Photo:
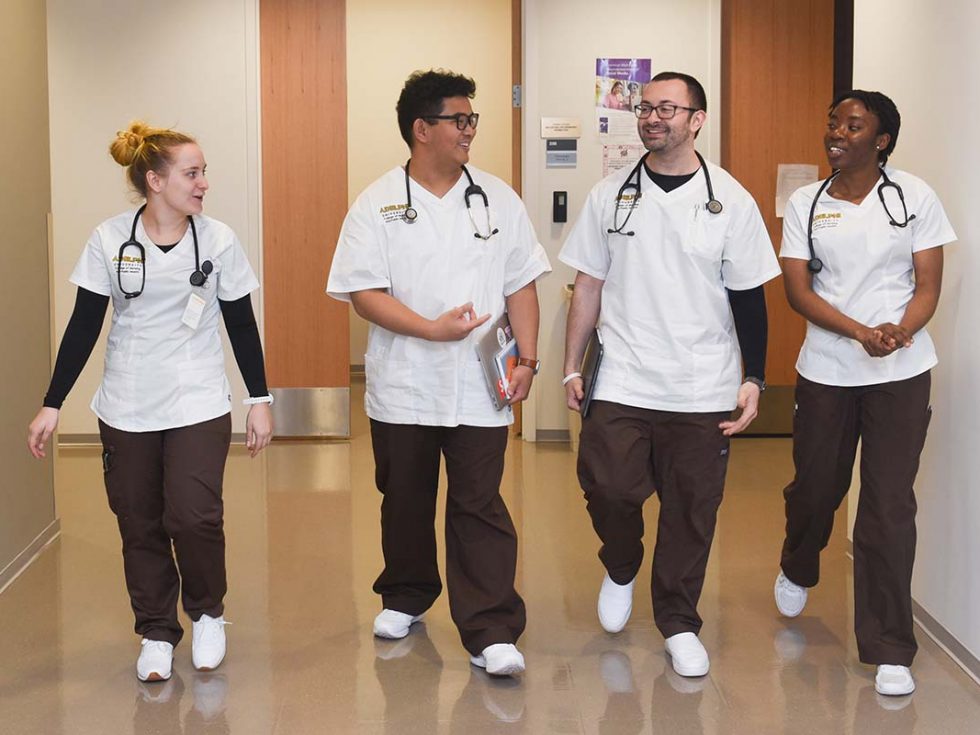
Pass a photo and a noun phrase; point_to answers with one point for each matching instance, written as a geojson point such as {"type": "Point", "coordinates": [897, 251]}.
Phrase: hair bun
{"type": "Point", "coordinates": [127, 142]}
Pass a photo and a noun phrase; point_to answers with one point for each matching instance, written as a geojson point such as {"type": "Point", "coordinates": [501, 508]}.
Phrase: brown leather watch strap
{"type": "Point", "coordinates": [528, 362]}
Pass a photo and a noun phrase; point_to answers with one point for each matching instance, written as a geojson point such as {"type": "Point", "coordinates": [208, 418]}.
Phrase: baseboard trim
{"type": "Point", "coordinates": [25, 558]}
{"type": "Point", "coordinates": [961, 655]}
{"type": "Point", "coordinates": [552, 435]}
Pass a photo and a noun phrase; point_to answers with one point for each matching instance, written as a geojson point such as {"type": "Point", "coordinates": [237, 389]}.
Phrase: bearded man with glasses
{"type": "Point", "coordinates": [671, 267]}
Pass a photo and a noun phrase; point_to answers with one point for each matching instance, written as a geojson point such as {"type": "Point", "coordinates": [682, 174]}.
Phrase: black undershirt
{"type": "Point", "coordinates": [748, 307]}
{"type": "Point", "coordinates": [85, 324]}
{"type": "Point", "coordinates": [668, 182]}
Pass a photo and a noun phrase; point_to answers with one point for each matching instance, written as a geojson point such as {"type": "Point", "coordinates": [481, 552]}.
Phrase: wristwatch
{"type": "Point", "coordinates": [756, 381]}
{"type": "Point", "coordinates": [535, 365]}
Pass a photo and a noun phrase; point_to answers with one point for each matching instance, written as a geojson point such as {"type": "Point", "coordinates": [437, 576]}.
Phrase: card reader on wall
{"type": "Point", "coordinates": [559, 206]}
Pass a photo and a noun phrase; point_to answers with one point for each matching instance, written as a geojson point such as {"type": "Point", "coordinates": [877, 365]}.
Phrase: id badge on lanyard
{"type": "Point", "coordinates": [193, 311]}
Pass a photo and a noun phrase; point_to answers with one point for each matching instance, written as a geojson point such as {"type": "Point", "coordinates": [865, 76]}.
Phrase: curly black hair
{"type": "Point", "coordinates": [424, 95]}
{"type": "Point", "coordinates": [889, 121]}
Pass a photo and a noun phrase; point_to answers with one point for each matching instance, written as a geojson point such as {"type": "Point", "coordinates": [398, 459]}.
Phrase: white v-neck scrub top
{"type": "Point", "coordinates": [668, 334]}
{"type": "Point", "coordinates": [867, 275]}
{"type": "Point", "coordinates": [431, 266]}
{"type": "Point", "coordinates": [159, 372]}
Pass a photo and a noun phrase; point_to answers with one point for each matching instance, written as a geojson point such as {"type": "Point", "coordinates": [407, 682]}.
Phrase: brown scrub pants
{"type": "Point", "coordinates": [165, 490]}
{"type": "Point", "coordinates": [625, 455]}
{"type": "Point", "coordinates": [891, 419]}
{"type": "Point", "coordinates": [481, 543]}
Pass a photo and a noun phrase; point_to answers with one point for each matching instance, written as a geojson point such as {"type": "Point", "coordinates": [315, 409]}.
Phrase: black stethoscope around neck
{"type": "Point", "coordinates": [634, 182]}
{"type": "Point", "coordinates": [815, 265]}
{"type": "Point", "coordinates": [474, 189]}
{"type": "Point", "coordinates": [201, 270]}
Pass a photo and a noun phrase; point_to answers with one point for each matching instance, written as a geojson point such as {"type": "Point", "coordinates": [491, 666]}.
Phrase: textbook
{"type": "Point", "coordinates": [590, 370]}
{"type": "Point", "coordinates": [497, 350]}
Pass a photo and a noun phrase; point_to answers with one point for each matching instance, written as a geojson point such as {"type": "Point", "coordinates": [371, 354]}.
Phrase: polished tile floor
{"type": "Point", "coordinates": [303, 551]}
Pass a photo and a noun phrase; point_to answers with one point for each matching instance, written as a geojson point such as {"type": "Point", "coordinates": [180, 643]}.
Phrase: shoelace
{"type": "Point", "coordinates": [161, 646]}
{"type": "Point", "coordinates": [210, 627]}
{"type": "Point", "coordinates": [786, 585]}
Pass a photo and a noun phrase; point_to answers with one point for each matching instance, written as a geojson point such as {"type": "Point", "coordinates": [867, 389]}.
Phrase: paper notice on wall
{"type": "Point", "coordinates": [620, 156]}
{"type": "Point", "coordinates": [789, 178]}
{"type": "Point", "coordinates": [618, 88]}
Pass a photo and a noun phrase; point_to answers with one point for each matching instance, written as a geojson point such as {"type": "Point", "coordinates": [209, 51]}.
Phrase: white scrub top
{"type": "Point", "coordinates": [666, 324]}
{"type": "Point", "coordinates": [159, 372]}
{"type": "Point", "coordinates": [431, 266]}
{"type": "Point", "coordinates": [867, 275]}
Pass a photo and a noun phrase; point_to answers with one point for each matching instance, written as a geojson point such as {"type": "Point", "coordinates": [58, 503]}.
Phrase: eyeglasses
{"type": "Point", "coordinates": [664, 111]}
{"type": "Point", "coordinates": [461, 118]}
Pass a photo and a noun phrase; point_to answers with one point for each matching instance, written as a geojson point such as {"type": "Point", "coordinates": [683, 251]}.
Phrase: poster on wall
{"type": "Point", "coordinates": [620, 156]}
{"type": "Point", "coordinates": [618, 87]}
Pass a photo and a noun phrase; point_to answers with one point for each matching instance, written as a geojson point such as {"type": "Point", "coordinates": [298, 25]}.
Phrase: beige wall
{"type": "Point", "coordinates": [27, 486]}
{"type": "Point", "coordinates": [187, 64]}
{"type": "Point", "coordinates": [562, 40]}
{"type": "Point", "coordinates": [386, 41]}
{"type": "Point", "coordinates": [926, 61]}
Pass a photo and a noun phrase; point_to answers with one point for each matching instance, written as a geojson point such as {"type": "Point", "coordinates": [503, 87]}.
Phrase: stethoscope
{"type": "Point", "coordinates": [201, 270]}
{"type": "Point", "coordinates": [411, 214]}
{"type": "Point", "coordinates": [815, 265]}
{"type": "Point", "coordinates": [634, 182]}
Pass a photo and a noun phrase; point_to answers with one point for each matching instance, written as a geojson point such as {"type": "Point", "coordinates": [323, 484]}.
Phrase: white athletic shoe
{"type": "Point", "coordinates": [687, 655]}
{"type": "Point", "coordinates": [615, 604]}
{"type": "Point", "coordinates": [208, 644]}
{"type": "Point", "coordinates": [155, 661]}
{"type": "Point", "coordinates": [500, 659]}
{"type": "Point", "coordinates": [393, 624]}
{"type": "Point", "coordinates": [790, 597]}
{"type": "Point", "coordinates": [894, 681]}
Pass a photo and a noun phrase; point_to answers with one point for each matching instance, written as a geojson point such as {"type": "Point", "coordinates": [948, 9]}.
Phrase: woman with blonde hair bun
{"type": "Point", "coordinates": [164, 402]}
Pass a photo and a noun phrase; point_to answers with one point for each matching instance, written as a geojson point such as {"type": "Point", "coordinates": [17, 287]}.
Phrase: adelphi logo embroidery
{"type": "Point", "coordinates": [393, 212]}
{"type": "Point", "coordinates": [627, 201]}
{"type": "Point", "coordinates": [826, 220]}
{"type": "Point", "coordinates": [130, 264]}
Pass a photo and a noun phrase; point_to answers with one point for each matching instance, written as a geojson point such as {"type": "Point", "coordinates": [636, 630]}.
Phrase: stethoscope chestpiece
{"type": "Point", "coordinates": [411, 215]}
{"type": "Point", "coordinates": [200, 277]}
{"type": "Point", "coordinates": [714, 206]}
{"type": "Point", "coordinates": [814, 265]}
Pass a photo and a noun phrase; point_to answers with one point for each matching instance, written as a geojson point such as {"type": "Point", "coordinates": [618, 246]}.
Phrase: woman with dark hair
{"type": "Point", "coordinates": [862, 258]}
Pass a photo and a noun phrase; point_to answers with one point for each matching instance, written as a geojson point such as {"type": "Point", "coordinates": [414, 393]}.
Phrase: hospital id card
{"type": "Point", "coordinates": [193, 311]}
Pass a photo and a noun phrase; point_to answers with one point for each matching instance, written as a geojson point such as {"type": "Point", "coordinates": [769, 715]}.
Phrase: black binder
{"type": "Point", "coordinates": [590, 370]}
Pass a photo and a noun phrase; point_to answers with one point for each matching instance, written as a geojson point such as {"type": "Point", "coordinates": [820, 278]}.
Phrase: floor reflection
{"type": "Point", "coordinates": [303, 551]}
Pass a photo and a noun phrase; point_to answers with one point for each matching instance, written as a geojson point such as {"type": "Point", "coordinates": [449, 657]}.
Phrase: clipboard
{"type": "Point", "coordinates": [497, 350]}
{"type": "Point", "coordinates": [590, 370]}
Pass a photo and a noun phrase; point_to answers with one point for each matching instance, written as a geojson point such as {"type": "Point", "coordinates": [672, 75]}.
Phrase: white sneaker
{"type": "Point", "coordinates": [894, 681]}
{"type": "Point", "coordinates": [393, 624]}
{"type": "Point", "coordinates": [500, 659]}
{"type": "Point", "coordinates": [790, 597]}
{"type": "Point", "coordinates": [208, 643]}
{"type": "Point", "coordinates": [687, 655]}
{"type": "Point", "coordinates": [615, 604]}
{"type": "Point", "coordinates": [155, 661]}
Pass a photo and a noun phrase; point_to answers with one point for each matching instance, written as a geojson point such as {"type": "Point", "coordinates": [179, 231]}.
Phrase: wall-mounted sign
{"type": "Point", "coordinates": [561, 127]}
{"type": "Point", "coordinates": [561, 153]}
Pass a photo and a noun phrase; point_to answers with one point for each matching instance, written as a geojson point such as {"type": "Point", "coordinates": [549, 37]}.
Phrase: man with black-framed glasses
{"type": "Point", "coordinates": [671, 258]}
{"type": "Point", "coordinates": [429, 254]}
